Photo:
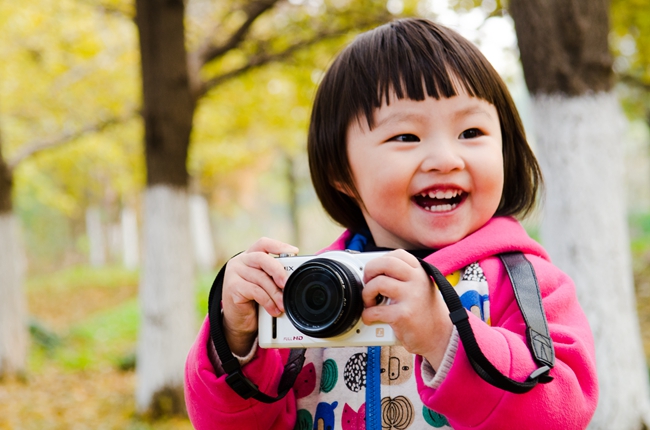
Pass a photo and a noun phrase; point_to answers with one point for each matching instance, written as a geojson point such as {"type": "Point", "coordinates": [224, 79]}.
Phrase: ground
{"type": "Point", "coordinates": [80, 375]}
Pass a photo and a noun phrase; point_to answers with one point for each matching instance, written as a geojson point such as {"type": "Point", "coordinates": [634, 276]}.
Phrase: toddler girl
{"type": "Point", "coordinates": [415, 146]}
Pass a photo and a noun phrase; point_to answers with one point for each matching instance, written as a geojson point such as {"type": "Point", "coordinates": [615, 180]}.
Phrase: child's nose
{"type": "Point", "coordinates": [442, 156]}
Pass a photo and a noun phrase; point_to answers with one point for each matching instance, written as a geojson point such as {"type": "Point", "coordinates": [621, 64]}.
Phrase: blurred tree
{"type": "Point", "coordinates": [230, 39]}
{"type": "Point", "coordinates": [579, 126]}
{"type": "Point", "coordinates": [13, 306]}
{"type": "Point", "coordinates": [630, 41]}
{"type": "Point", "coordinates": [68, 67]}
{"type": "Point", "coordinates": [41, 58]}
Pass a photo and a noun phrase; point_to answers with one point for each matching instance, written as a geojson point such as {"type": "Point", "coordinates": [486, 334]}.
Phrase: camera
{"type": "Point", "coordinates": [323, 304]}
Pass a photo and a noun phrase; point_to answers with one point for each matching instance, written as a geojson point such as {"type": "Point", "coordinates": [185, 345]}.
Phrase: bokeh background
{"type": "Point", "coordinates": [75, 183]}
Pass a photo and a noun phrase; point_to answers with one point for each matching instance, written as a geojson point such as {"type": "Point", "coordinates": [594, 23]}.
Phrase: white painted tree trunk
{"type": "Point", "coordinates": [168, 314]}
{"type": "Point", "coordinates": [95, 232]}
{"type": "Point", "coordinates": [581, 148]}
{"type": "Point", "coordinates": [204, 252]}
{"type": "Point", "coordinates": [13, 306]}
{"type": "Point", "coordinates": [130, 238]}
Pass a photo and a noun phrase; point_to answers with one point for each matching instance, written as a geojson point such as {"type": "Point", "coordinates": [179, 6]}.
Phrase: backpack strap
{"type": "Point", "coordinates": [524, 283]}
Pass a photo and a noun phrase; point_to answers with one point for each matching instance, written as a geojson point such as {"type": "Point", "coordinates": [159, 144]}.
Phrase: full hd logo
{"type": "Point", "coordinates": [293, 338]}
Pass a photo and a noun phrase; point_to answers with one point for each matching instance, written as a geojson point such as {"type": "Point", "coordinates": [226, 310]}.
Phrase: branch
{"type": "Point", "coordinates": [634, 81]}
{"type": "Point", "coordinates": [32, 148]}
{"type": "Point", "coordinates": [109, 9]}
{"type": "Point", "coordinates": [209, 52]}
{"type": "Point", "coordinates": [264, 58]}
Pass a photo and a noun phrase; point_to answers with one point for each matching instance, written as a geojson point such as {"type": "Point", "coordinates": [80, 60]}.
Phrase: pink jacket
{"type": "Point", "coordinates": [568, 402]}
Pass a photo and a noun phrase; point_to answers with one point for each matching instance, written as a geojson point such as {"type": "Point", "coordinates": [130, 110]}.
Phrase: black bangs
{"type": "Point", "coordinates": [414, 59]}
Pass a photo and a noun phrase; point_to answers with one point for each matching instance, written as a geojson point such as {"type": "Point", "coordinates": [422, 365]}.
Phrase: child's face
{"type": "Point", "coordinates": [430, 172]}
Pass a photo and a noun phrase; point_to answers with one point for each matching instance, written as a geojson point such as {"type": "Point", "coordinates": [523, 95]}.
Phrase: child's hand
{"type": "Point", "coordinates": [417, 312]}
{"type": "Point", "coordinates": [252, 277]}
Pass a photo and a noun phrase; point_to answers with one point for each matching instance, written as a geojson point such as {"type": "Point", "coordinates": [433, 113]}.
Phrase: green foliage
{"type": "Point", "coordinates": [105, 334]}
{"type": "Point", "coordinates": [630, 43]}
{"type": "Point", "coordinates": [203, 286]}
{"type": "Point", "coordinates": [79, 277]}
{"type": "Point", "coordinates": [68, 66]}
{"type": "Point", "coordinates": [492, 7]}
{"type": "Point", "coordinates": [246, 123]}
{"type": "Point", "coordinates": [103, 339]}
{"type": "Point", "coordinates": [640, 232]}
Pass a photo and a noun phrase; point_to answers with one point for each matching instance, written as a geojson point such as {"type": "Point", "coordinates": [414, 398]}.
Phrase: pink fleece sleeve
{"type": "Point", "coordinates": [212, 404]}
{"type": "Point", "coordinates": [568, 402]}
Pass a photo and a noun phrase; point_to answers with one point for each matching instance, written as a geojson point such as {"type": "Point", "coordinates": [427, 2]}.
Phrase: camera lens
{"type": "Point", "coordinates": [315, 297]}
{"type": "Point", "coordinates": [322, 298]}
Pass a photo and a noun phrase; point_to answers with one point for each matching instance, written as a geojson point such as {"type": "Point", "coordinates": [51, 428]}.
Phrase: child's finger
{"type": "Point", "coordinates": [272, 246]}
{"type": "Point", "coordinates": [268, 300]}
{"type": "Point", "coordinates": [266, 284]}
{"type": "Point", "coordinates": [404, 256]}
{"type": "Point", "coordinates": [380, 286]}
{"type": "Point", "coordinates": [396, 265]}
{"type": "Point", "coordinates": [380, 313]}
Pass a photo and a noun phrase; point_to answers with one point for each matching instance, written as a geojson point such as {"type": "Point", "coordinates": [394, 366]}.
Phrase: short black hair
{"type": "Point", "coordinates": [414, 58]}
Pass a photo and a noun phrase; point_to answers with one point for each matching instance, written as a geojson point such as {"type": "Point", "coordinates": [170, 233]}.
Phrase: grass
{"type": "Point", "coordinates": [640, 245]}
{"type": "Point", "coordinates": [81, 365]}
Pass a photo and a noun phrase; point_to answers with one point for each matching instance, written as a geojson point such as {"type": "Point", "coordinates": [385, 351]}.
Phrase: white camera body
{"type": "Point", "coordinates": [322, 301]}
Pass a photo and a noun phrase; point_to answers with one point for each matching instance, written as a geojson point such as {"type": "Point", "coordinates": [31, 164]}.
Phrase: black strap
{"type": "Point", "coordinates": [236, 378]}
{"type": "Point", "coordinates": [524, 283]}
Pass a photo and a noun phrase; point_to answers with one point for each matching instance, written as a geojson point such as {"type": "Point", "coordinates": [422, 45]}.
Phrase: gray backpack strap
{"type": "Point", "coordinates": [524, 283]}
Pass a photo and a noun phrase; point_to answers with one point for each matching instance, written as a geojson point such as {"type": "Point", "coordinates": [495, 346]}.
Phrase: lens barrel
{"type": "Point", "coordinates": [322, 298]}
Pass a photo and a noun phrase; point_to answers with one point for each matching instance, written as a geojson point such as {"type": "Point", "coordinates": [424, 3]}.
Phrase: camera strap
{"type": "Point", "coordinates": [526, 289]}
{"type": "Point", "coordinates": [230, 364]}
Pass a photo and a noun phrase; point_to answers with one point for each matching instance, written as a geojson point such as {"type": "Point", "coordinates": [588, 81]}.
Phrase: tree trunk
{"type": "Point", "coordinates": [167, 282]}
{"type": "Point", "coordinates": [130, 238]}
{"type": "Point", "coordinates": [294, 206]}
{"type": "Point", "coordinates": [579, 128]}
{"type": "Point", "coordinates": [13, 308]}
{"type": "Point", "coordinates": [166, 296]}
{"type": "Point", "coordinates": [204, 253]}
{"type": "Point", "coordinates": [95, 233]}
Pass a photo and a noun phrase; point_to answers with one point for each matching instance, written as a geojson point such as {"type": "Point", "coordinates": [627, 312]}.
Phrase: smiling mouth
{"type": "Point", "coordinates": [439, 200]}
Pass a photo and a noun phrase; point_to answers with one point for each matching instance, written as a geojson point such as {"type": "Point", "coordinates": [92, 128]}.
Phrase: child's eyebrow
{"type": "Point", "coordinates": [399, 117]}
{"type": "Point", "coordinates": [473, 110]}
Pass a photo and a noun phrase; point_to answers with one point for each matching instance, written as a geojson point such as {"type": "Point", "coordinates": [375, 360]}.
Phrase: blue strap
{"type": "Point", "coordinates": [373, 388]}
{"type": "Point", "coordinates": [358, 242]}
{"type": "Point", "coordinates": [373, 365]}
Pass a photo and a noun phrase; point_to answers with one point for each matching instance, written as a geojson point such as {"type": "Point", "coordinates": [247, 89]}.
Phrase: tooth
{"type": "Point", "coordinates": [449, 194]}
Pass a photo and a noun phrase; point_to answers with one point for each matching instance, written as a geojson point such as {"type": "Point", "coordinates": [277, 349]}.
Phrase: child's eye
{"type": "Point", "coordinates": [471, 133]}
{"type": "Point", "coordinates": [405, 138]}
